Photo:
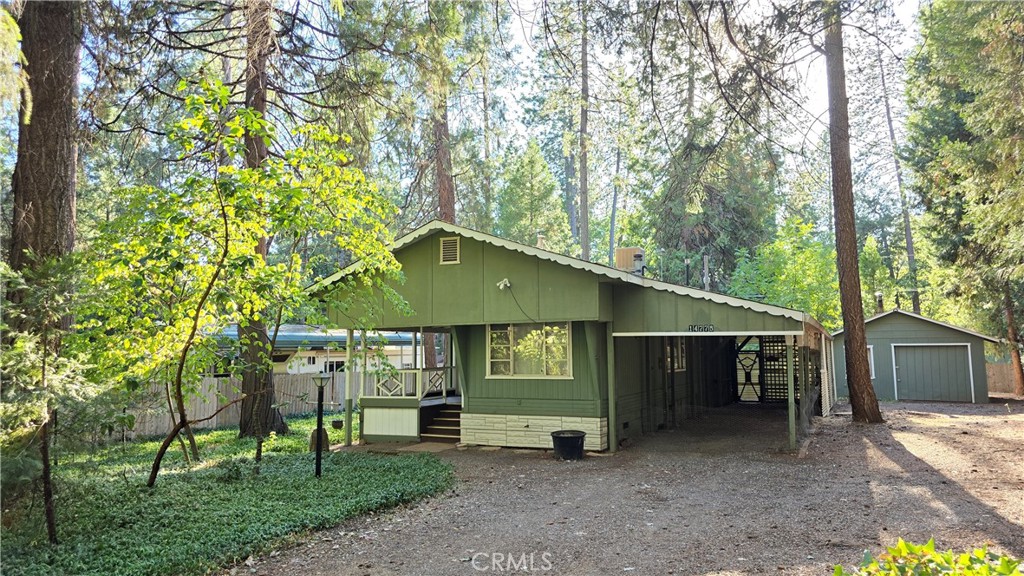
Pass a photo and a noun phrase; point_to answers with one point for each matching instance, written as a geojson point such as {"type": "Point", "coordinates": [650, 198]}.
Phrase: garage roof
{"type": "Point", "coordinates": [919, 317]}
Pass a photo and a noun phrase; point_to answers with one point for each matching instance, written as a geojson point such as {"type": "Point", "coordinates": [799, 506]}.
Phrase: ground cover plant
{"type": "Point", "coordinates": [923, 560]}
{"type": "Point", "coordinates": [217, 512]}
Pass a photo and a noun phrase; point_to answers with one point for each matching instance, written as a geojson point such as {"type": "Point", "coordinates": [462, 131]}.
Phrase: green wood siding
{"type": "Point", "coordinates": [579, 396]}
{"type": "Point", "coordinates": [930, 384]}
{"type": "Point", "coordinates": [933, 373]}
{"type": "Point", "coordinates": [638, 309]}
{"type": "Point", "coordinates": [629, 385]}
{"type": "Point", "coordinates": [467, 293]}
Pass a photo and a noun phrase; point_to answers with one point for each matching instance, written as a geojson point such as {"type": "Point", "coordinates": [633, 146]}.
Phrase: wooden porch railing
{"type": "Point", "coordinates": [417, 383]}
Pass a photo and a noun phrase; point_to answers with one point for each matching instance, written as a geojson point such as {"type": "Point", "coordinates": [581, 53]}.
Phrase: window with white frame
{"type": "Point", "coordinates": [871, 359]}
{"type": "Point", "coordinates": [537, 350]}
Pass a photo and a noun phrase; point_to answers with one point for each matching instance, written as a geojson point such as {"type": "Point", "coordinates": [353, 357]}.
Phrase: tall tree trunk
{"type": "Point", "coordinates": [615, 207]}
{"type": "Point", "coordinates": [570, 196]}
{"type": "Point", "coordinates": [858, 375]}
{"type": "Point", "coordinates": [487, 223]}
{"type": "Point", "coordinates": [584, 111]}
{"type": "Point", "coordinates": [915, 296]}
{"type": "Point", "coordinates": [259, 415]}
{"type": "Point", "coordinates": [444, 183]}
{"type": "Point", "coordinates": [43, 185]}
{"type": "Point", "coordinates": [1014, 338]}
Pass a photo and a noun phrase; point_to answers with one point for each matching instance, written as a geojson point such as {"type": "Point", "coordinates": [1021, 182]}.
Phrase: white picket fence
{"type": "Point", "coordinates": [295, 393]}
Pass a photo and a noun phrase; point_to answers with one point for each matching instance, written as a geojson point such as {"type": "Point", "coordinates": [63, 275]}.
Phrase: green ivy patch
{"type": "Point", "coordinates": [197, 520]}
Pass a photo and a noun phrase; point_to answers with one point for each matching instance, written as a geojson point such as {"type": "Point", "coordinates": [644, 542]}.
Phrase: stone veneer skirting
{"type": "Point", "coordinates": [530, 431]}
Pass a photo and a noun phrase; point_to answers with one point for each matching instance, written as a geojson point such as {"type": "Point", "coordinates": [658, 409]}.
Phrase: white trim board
{"type": "Point", "coordinates": [733, 333]}
{"type": "Point", "coordinates": [970, 364]}
{"type": "Point", "coordinates": [871, 359]}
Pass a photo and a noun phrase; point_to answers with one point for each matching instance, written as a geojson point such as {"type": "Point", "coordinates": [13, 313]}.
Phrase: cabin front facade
{"type": "Point", "coordinates": [534, 342]}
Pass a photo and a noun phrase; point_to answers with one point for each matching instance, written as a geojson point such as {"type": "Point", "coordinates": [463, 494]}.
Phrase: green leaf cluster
{"type": "Point", "coordinates": [180, 262]}
{"type": "Point", "coordinates": [795, 271]}
{"type": "Point", "coordinates": [905, 559]}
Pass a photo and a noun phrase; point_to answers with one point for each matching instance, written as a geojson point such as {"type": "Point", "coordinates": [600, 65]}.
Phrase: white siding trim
{"type": "Point", "coordinates": [727, 333]}
{"type": "Point", "coordinates": [871, 359]}
{"type": "Point", "coordinates": [970, 364]}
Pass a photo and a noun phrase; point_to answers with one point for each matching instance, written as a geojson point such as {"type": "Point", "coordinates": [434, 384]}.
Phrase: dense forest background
{"type": "Point", "coordinates": [593, 124]}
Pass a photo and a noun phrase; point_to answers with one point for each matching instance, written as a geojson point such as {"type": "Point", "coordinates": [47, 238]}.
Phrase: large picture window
{"type": "Point", "coordinates": [529, 350]}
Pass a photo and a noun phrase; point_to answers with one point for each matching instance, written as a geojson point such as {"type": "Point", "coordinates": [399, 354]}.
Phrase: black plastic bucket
{"type": "Point", "coordinates": [568, 444]}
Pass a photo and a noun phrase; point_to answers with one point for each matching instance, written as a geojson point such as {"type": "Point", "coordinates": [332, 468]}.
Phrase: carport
{"type": "Point", "coordinates": [678, 359]}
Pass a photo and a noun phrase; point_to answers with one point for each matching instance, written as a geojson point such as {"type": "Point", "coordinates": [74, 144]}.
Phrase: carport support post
{"type": "Point", "coordinates": [613, 422]}
{"type": "Point", "coordinates": [348, 388]}
{"type": "Point", "coordinates": [791, 393]}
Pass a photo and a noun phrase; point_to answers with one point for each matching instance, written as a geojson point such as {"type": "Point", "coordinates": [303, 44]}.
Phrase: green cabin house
{"type": "Point", "coordinates": [531, 341]}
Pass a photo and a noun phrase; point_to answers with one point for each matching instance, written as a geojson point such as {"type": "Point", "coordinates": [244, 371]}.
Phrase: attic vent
{"type": "Point", "coordinates": [450, 250]}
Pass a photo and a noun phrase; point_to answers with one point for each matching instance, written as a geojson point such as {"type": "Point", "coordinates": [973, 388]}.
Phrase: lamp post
{"type": "Point", "coordinates": [321, 381]}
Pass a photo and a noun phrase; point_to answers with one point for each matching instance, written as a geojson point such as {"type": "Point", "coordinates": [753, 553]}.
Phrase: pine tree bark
{"type": "Point", "coordinates": [1014, 338]}
{"type": "Point", "coordinates": [444, 182]}
{"type": "Point", "coordinates": [858, 375]}
{"type": "Point", "coordinates": [487, 224]}
{"type": "Point", "coordinates": [44, 180]}
{"type": "Point", "coordinates": [570, 196]}
{"type": "Point", "coordinates": [259, 416]}
{"type": "Point", "coordinates": [584, 136]}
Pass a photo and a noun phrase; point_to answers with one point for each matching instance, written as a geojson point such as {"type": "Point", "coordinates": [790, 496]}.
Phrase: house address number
{"type": "Point", "coordinates": [702, 327]}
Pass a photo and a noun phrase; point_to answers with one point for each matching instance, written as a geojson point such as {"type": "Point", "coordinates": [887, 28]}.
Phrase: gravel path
{"type": "Point", "coordinates": [715, 498]}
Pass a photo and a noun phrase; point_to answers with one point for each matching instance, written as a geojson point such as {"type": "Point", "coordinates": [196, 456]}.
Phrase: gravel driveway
{"type": "Point", "coordinates": [715, 498]}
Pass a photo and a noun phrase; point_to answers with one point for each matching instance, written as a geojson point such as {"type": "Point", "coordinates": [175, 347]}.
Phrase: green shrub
{"type": "Point", "coordinates": [922, 560]}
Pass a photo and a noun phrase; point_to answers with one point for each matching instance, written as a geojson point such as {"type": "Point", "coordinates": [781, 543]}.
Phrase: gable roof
{"type": "Point", "coordinates": [919, 317]}
{"type": "Point", "coordinates": [599, 269]}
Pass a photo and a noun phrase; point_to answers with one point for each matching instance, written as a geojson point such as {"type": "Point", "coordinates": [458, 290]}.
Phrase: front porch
{"type": "Point", "coordinates": [412, 404]}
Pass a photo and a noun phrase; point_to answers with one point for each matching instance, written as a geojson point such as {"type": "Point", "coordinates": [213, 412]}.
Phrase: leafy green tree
{"type": "Point", "coordinates": [528, 203]}
{"type": "Point", "coordinates": [963, 147]}
{"type": "Point", "coordinates": [795, 270]}
{"type": "Point", "coordinates": [875, 278]}
{"type": "Point", "coordinates": [179, 264]}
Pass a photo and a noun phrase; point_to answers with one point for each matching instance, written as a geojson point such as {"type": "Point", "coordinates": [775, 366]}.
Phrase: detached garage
{"type": "Point", "coordinates": [917, 358]}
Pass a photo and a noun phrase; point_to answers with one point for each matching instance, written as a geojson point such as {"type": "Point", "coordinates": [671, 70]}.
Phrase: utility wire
{"type": "Point", "coordinates": [516, 300]}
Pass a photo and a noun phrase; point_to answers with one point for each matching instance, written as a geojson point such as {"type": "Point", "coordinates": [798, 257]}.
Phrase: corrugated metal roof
{"type": "Point", "coordinates": [606, 271]}
{"type": "Point", "coordinates": [295, 336]}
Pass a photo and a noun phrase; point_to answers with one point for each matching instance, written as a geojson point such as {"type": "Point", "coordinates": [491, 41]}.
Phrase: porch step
{"type": "Point", "coordinates": [430, 437]}
{"type": "Point", "coordinates": [446, 426]}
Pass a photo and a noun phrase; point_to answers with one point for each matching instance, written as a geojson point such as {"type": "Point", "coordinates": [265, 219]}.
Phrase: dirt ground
{"type": "Point", "coordinates": [717, 497]}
